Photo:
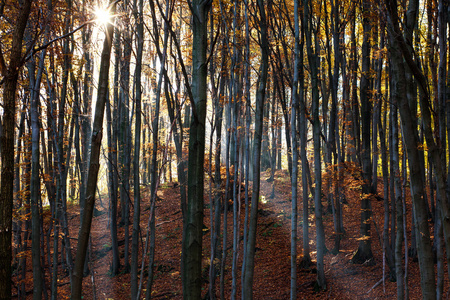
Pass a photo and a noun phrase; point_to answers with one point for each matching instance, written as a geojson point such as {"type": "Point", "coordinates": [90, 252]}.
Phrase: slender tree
{"type": "Point", "coordinates": [364, 252]}
{"type": "Point", "coordinates": [247, 288]}
{"type": "Point", "coordinates": [97, 129]}
{"type": "Point", "coordinates": [154, 176]}
{"type": "Point", "coordinates": [138, 14]}
{"type": "Point", "coordinates": [295, 157]}
{"type": "Point", "coordinates": [313, 60]}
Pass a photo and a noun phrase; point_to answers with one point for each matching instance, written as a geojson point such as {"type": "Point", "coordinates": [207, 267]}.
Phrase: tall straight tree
{"type": "Point", "coordinates": [125, 130]}
{"type": "Point", "coordinates": [302, 128]}
{"type": "Point", "coordinates": [364, 252]}
{"type": "Point", "coordinates": [313, 60]}
{"type": "Point", "coordinates": [94, 165]}
{"type": "Point", "coordinates": [295, 156]}
{"type": "Point", "coordinates": [35, 82]}
{"type": "Point", "coordinates": [247, 288]}
{"type": "Point", "coordinates": [10, 75]}
{"type": "Point", "coordinates": [247, 129]}
{"type": "Point", "coordinates": [192, 241]}
{"type": "Point", "coordinates": [138, 14]}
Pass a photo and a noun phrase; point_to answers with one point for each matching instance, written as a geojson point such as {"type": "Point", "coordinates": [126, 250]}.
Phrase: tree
{"type": "Point", "coordinates": [97, 128]}
{"type": "Point", "coordinates": [138, 14]}
{"type": "Point", "coordinates": [247, 289]}
{"type": "Point", "coordinates": [411, 141]}
{"type": "Point", "coordinates": [294, 180]}
{"type": "Point", "coordinates": [193, 225]}
{"type": "Point", "coordinates": [364, 252]}
{"type": "Point", "coordinates": [10, 74]}
{"type": "Point", "coordinates": [154, 176]}
{"type": "Point", "coordinates": [313, 60]}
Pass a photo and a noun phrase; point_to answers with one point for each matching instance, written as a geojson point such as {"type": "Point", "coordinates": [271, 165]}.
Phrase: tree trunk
{"type": "Point", "coordinates": [83, 236]}
{"type": "Point", "coordinates": [313, 60]}
{"type": "Point", "coordinates": [364, 252]}
{"type": "Point", "coordinates": [247, 288]}
{"type": "Point", "coordinates": [125, 132]}
{"type": "Point", "coordinates": [248, 117]}
{"type": "Point", "coordinates": [216, 198]}
{"type": "Point", "coordinates": [192, 242]}
{"type": "Point", "coordinates": [138, 14]}
{"type": "Point", "coordinates": [155, 127]}
{"type": "Point", "coordinates": [35, 82]}
{"type": "Point", "coordinates": [398, 202]}
{"type": "Point", "coordinates": [112, 190]}
{"type": "Point", "coordinates": [10, 76]}
{"type": "Point", "coordinates": [295, 157]}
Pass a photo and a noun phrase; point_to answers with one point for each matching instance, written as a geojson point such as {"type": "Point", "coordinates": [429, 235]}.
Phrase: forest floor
{"type": "Point", "coordinates": [345, 280]}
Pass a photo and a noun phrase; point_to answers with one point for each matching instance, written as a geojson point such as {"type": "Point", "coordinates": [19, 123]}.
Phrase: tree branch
{"type": "Point", "coordinates": [180, 57]}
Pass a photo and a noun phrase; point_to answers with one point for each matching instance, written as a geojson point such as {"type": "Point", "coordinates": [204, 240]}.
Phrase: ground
{"type": "Point", "coordinates": [272, 262]}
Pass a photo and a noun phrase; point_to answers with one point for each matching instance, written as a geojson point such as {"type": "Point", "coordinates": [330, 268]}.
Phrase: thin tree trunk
{"type": "Point", "coordinates": [302, 129]}
{"type": "Point", "coordinates": [112, 190]}
{"type": "Point", "coordinates": [364, 252]}
{"type": "Point", "coordinates": [313, 62]}
{"type": "Point", "coordinates": [125, 134]}
{"type": "Point", "coordinates": [398, 203]}
{"type": "Point", "coordinates": [138, 14]}
{"type": "Point", "coordinates": [154, 177]}
{"type": "Point", "coordinates": [247, 288]}
{"type": "Point", "coordinates": [218, 194]}
{"type": "Point", "coordinates": [236, 95]}
{"type": "Point", "coordinates": [248, 118]}
{"type": "Point", "coordinates": [295, 157]}
{"type": "Point", "coordinates": [83, 236]}
{"type": "Point", "coordinates": [35, 83]}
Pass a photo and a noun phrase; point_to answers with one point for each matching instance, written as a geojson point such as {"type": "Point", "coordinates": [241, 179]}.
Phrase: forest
{"type": "Point", "coordinates": [212, 149]}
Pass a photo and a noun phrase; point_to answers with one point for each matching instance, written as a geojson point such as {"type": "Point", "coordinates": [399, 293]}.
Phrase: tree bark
{"type": "Point", "coordinates": [192, 242]}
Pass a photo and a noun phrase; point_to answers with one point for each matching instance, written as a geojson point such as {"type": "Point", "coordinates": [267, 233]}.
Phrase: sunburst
{"type": "Point", "coordinates": [103, 15]}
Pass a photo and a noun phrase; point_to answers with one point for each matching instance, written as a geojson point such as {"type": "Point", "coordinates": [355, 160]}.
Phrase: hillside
{"type": "Point", "coordinates": [345, 280]}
